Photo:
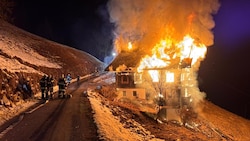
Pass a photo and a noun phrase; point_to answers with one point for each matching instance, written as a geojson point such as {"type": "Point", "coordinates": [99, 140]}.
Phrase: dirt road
{"type": "Point", "coordinates": [68, 119]}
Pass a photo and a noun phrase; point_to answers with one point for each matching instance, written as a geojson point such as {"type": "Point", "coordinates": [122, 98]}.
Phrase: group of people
{"type": "Point", "coordinates": [63, 82]}
{"type": "Point", "coordinates": [46, 86]}
{"type": "Point", "coordinates": [47, 83]}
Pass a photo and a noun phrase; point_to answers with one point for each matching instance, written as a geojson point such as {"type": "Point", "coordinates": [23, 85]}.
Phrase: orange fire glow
{"type": "Point", "coordinates": [130, 46]}
{"type": "Point", "coordinates": [169, 77]}
{"type": "Point", "coordinates": [166, 51]}
{"type": "Point", "coordinates": [190, 50]}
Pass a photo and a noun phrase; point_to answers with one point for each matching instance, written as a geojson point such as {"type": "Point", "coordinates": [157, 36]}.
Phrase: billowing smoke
{"type": "Point", "coordinates": [146, 22]}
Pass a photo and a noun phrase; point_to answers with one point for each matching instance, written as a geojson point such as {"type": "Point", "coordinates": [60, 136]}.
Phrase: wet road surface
{"type": "Point", "coordinates": [68, 119]}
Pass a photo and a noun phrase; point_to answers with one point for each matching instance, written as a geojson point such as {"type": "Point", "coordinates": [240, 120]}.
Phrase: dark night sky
{"type": "Point", "coordinates": [223, 75]}
{"type": "Point", "coordinates": [80, 24]}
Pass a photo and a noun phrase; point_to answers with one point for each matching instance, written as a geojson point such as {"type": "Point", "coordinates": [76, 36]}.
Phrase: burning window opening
{"type": "Point", "coordinates": [169, 77]}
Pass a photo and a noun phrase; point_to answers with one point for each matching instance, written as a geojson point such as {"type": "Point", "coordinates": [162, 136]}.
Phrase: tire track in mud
{"type": "Point", "coordinates": [40, 132]}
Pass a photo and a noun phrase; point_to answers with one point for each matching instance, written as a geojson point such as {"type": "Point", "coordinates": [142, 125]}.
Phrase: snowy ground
{"type": "Point", "coordinates": [213, 122]}
{"type": "Point", "coordinates": [113, 129]}
{"type": "Point", "coordinates": [216, 123]}
{"type": "Point", "coordinates": [110, 127]}
{"type": "Point", "coordinates": [6, 113]}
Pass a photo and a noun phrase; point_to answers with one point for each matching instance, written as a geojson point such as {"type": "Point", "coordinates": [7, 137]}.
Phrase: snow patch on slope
{"type": "Point", "coordinates": [13, 65]}
{"type": "Point", "coordinates": [109, 126]}
{"type": "Point", "coordinates": [27, 54]}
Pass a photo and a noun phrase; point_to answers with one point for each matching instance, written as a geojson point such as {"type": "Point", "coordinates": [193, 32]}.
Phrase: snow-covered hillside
{"type": "Point", "coordinates": [124, 122]}
{"type": "Point", "coordinates": [25, 57]}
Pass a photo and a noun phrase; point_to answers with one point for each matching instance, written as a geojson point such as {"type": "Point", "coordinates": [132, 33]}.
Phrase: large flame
{"type": "Point", "coordinates": [191, 50]}
{"type": "Point", "coordinates": [164, 53]}
{"type": "Point", "coordinates": [144, 22]}
{"type": "Point", "coordinates": [170, 32]}
{"type": "Point", "coordinates": [130, 46]}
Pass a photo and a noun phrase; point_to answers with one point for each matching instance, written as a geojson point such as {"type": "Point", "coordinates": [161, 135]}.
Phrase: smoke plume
{"type": "Point", "coordinates": [146, 22]}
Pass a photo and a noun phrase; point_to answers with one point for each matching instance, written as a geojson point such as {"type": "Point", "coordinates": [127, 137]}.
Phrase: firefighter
{"type": "Point", "coordinates": [50, 86]}
{"type": "Point", "coordinates": [68, 79]}
{"type": "Point", "coordinates": [43, 87]}
{"type": "Point", "coordinates": [78, 80]}
{"type": "Point", "coordinates": [61, 86]}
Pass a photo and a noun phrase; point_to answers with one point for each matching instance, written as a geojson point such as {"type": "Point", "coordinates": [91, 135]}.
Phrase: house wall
{"type": "Point", "coordinates": [125, 80]}
{"type": "Point", "coordinates": [131, 93]}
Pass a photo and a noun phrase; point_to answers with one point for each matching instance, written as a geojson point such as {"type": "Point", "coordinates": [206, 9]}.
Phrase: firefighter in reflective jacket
{"type": "Point", "coordinates": [43, 87]}
{"type": "Point", "coordinates": [61, 86]}
{"type": "Point", "coordinates": [50, 84]}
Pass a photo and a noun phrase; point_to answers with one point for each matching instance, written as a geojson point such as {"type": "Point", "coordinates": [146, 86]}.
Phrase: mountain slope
{"type": "Point", "coordinates": [25, 56]}
{"type": "Point", "coordinates": [212, 122]}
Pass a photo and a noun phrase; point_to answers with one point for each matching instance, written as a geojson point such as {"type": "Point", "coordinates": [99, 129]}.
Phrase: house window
{"type": "Point", "coordinates": [154, 74]}
{"type": "Point", "coordinates": [124, 79]}
{"type": "Point", "coordinates": [124, 93]}
{"type": "Point", "coordinates": [134, 93]}
{"type": "Point", "coordinates": [169, 76]}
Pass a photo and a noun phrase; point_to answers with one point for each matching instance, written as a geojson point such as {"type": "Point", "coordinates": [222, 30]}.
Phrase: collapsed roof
{"type": "Point", "coordinates": [132, 60]}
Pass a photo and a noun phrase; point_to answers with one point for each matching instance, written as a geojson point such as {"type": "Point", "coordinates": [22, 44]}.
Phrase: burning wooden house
{"type": "Point", "coordinates": [126, 76]}
{"type": "Point", "coordinates": [167, 83]}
